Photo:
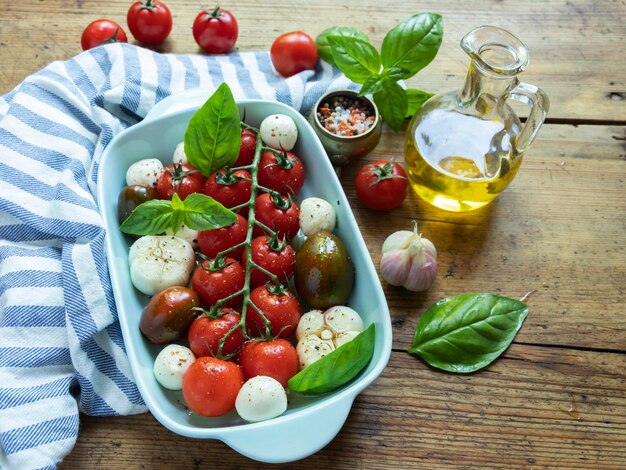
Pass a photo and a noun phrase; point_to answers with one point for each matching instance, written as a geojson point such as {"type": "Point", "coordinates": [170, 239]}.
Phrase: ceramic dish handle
{"type": "Point", "coordinates": [300, 436]}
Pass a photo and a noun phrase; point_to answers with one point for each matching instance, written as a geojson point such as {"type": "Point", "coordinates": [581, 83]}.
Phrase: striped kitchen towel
{"type": "Point", "coordinates": [61, 348]}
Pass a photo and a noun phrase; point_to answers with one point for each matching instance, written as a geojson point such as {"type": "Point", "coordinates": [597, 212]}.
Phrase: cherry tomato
{"type": "Point", "coordinates": [211, 385]}
{"type": "Point", "coordinates": [215, 31]}
{"type": "Point", "coordinates": [277, 359]}
{"type": "Point", "coordinates": [279, 213]}
{"type": "Point", "coordinates": [212, 242]}
{"type": "Point", "coordinates": [247, 148]}
{"type": "Point", "coordinates": [150, 21]}
{"type": "Point", "coordinates": [167, 316]}
{"type": "Point", "coordinates": [281, 309]}
{"type": "Point", "coordinates": [181, 179]}
{"type": "Point", "coordinates": [205, 334]}
{"type": "Point", "coordinates": [131, 196]}
{"type": "Point", "coordinates": [229, 188]}
{"type": "Point", "coordinates": [281, 171]}
{"type": "Point", "coordinates": [293, 52]}
{"type": "Point", "coordinates": [214, 281]}
{"type": "Point", "coordinates": [276, 256]}
{"type": "Point", "coordinates": [381, 185]}
{"type": "Point", "coordinates": [100, 32]}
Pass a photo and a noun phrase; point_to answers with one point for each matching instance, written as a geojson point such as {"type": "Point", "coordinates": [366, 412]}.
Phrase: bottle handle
{"type": "Point", "coordinates": [539, 105]}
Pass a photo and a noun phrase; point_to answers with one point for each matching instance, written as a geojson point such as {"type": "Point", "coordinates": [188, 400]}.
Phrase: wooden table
{"type": "Point", "coordinates": [557, 397]}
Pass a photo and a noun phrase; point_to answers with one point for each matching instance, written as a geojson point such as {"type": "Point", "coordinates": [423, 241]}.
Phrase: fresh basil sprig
{"type": "Point", "coordinates": [198, 212]}
{"type": "Point", "coordinates": [323, 46]}
{"type": "Point", "coordinates": [467, 332]}
{"type": "Point", "coordinates": [213, 136]}
{"type": "Point", "coordinates": [407, 48]}
{"type": "Point", "coordinates": [336, 368]}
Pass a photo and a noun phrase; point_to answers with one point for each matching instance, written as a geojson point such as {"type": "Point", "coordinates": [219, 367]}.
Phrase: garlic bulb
{"type": "Point", "coordinates": [409, 260]}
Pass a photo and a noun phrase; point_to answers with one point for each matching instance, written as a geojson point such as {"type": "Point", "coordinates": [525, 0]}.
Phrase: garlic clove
{"type": "Point", "coordinates": [311, 323]}
{"type": "Point", "coordinates": [345, 337]}
{"type": "Point", "coordinates": [394, 268]}
{"type": "Point", "coordinates": [342, 318]}
{"type": "Point", "coordinates": [421, 275]}
{"type": "Point", "coordinates": [399, 240]}
{"type": "Point", "coordinates": [311, 348]}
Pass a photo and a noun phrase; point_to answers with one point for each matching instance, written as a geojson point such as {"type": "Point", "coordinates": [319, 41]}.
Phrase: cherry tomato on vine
{"type": "Point", "coordinates": [211, 385]}
{"type": "Point", "coordinates": [211, 242]}
{"type": "Point", "coordinates": [150, 21]}
{"type": "Point", "coordinates": [205, 334]}
{"type": "Point", "coordinates": [382, 185]}
{"type": "Point", "coordinates": [273, 255]}
{"type": "Point", "coordinates": [276, 358]}
{"type": "Point", "coordinates": [216, 280]}
{"type": "Point", "coordinates": [215, 31]}
{"type": "Point", "coordinates": [277, 212]}
{"type": "Point", "coordinates": [229, 188]}
{"type": "Point", "coordinates": [280, 307]}
{"type": "Point", "coordinates": [100, 32]}
{"type": "Point", "coordinates": [281, 171]}
{"type": "Point", "coordinates": [247, 148]}
{"type": "Point", "coordinates": [181, 179]}
{"type": "Point", "coordinates": [293, 52]}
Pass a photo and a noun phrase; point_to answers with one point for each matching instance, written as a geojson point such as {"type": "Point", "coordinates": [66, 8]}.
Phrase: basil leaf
{"type": "Point", "coordinates": [323, 46]}
{"type": "Point", "coordinates": [149, 218]}
{"type": "Point", "coordinates": [338, 367]}
{"type": "Point", "coordinates": [373, 84]}
{"type": "Point", "coordinates": [205, 213]}
{"type": "Point", "coordinates": [394, 74]}
{"type": "Point", "coordinates": [416, 98]}
{"type": "Point", "coordinates": [392, 104]}
{"type": "Point", "coordinates": [356, 58]}
{"type": "Point", "coordinates": [413, 44]}
{"type": "Point", "coordinates": [467, 332]}
{"type": "Point", "coordinates": [213, 135]}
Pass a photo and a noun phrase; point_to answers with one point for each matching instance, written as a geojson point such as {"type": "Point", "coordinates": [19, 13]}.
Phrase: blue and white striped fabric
{"type": "Point", "coordinates": [61, 349]}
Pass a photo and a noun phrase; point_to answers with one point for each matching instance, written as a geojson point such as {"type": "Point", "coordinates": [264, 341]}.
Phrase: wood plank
{"type": "Point", "coordinates": [576, 49]}
{"type": "Point", "coordinates": [535, 407]}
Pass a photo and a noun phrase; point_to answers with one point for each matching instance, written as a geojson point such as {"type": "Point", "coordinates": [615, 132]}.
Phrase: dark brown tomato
{"type": "Point", "coordinates": [167, 316]}
{"type": "Point", "coordinates": [130, 197]}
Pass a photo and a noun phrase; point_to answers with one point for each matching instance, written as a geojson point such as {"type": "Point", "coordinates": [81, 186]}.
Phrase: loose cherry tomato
{"type": "Point", "coordinates": [216, 280]}
{"type": "Point", "coordinates": [205, 334]}
{"type": "Point", "coordinates": [167, 316]}
{"type": "Point", "coordinates": [277, 212]}
{"type": "Point", "coordinates": [247, 148]}
{"type": "Point", "coordinates": [381, 185]}
{"type": "Point", "coordinates": [273, 255]}
{"type": "Point", "coordinates": [150, 21]}
{"type": "Point", "coordinates": [131, 196]}
{"type": "Point", "coordinates": [281, 309]}
{"type": "Point", "coordinates": [277, 359]}
{"type": "Point", "coordinates": [100, 32]}
{"type": "Point", "coordinates": [181, 179]}
{"type": "Point", "coordinates": [211, 385]}
{"type": "Point", "coordinates": [293, 52]}
{"type": "Point", "coordinates": [229, 188]}
{"type": "Point", "coordinates": [212, 242]}
{"type": "Point", "coordinates": [281, 171]}
{"type": "Point", "coordinates": [215, 31]}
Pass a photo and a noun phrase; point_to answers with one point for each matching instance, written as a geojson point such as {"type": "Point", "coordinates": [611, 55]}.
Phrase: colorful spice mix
{"type": "Point", "coordinates": [346, 116]}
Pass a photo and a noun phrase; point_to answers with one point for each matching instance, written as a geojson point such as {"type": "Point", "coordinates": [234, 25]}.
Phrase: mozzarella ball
{"type": "Point", "coordinates": [279, 131]}
{"type": "Point", "coordinates": [261, 398]}
{"type": "Point", "coordinates": [171, 364]}
{"type": "Point", "coordinates": [179, 154]}
{"type": "Point", "coordinates": [144, 172]}
{"type": "Point", "coordinates": [187, 234]}
{"type": "Point", "coordinates": [316, 214]}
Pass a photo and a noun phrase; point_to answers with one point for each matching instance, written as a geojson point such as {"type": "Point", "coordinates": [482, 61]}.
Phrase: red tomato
{"type": "Point", "coordinates": [205, 334]}
{"type": "Point", "coordinates": [382, 185]}
{"type": "Point", "coordinates": [281, 171]}
{"type": "Point", "coordinates": [229, 188]}
{"type": "Point", "coordinates": [100, 32]}
{"type": "Point", "coordinates": [216, 31]}
{"type": "Point", "coordinates": [167, 316]}
{"type": "Point", "coordinates": [282, 311]}
{"type": "Point", "coordinates": [150, 21]}
{"type": "Point", "coordinates": [211, 385]}
{"type": "Point", "coordinates": [181, 179]}
{"type": "Point", "coordinates": [212, 242]}
{"type": "Point", "coordinates": [278, 213]}
{"type": "Point", "coordinates": [277, 359]}
{"type": "Point", "coordinates": [215, 281]}
{"type": "Point", "coordinates": [274, 255]}
{"type": "Point", "coordinates": [293, 52]}
{"type": "Point", "coordinates": [247, 148]}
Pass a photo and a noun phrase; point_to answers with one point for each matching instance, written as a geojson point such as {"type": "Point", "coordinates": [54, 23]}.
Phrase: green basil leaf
{"type": "Point", "coordinates": [413, 44]}
{"type": "Point", "coordinates": [373, 84]}
{"type": "Point", "coordinates": [149, 218]}
{"type": "Point", "coordinates": [416, 98]}
{"type": "Point", "coordinates": [323, 46]}
{"type": "Point", "coordinates": [356, 58]}
{"type": "Point", "coordinates": [392, 104]}
{"type": "Point", "coordinates": [394, 74]}
{"type": "Point", "coordinates": [205, 213]}
{"type": "Point", "coordinates": [338, 367]}
{"type": "Point", "coordinates": [213, 135]}
{"type": "Point", "coordinates": [467, 332]}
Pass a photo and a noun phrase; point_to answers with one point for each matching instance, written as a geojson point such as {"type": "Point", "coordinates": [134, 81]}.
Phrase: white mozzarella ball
{"type": "Point", "coordinates": [316, 214]}
{"type": "Point", "coordinates": [279, 131]}
{"type": "Point", "coordinates": [171, 364]}
{"type": "Point", "coordinates": [179, 154]}
{"type": "Point", "coordinates": [261, 398]}
{"type": "Point", "coordinates": [144, 172]}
